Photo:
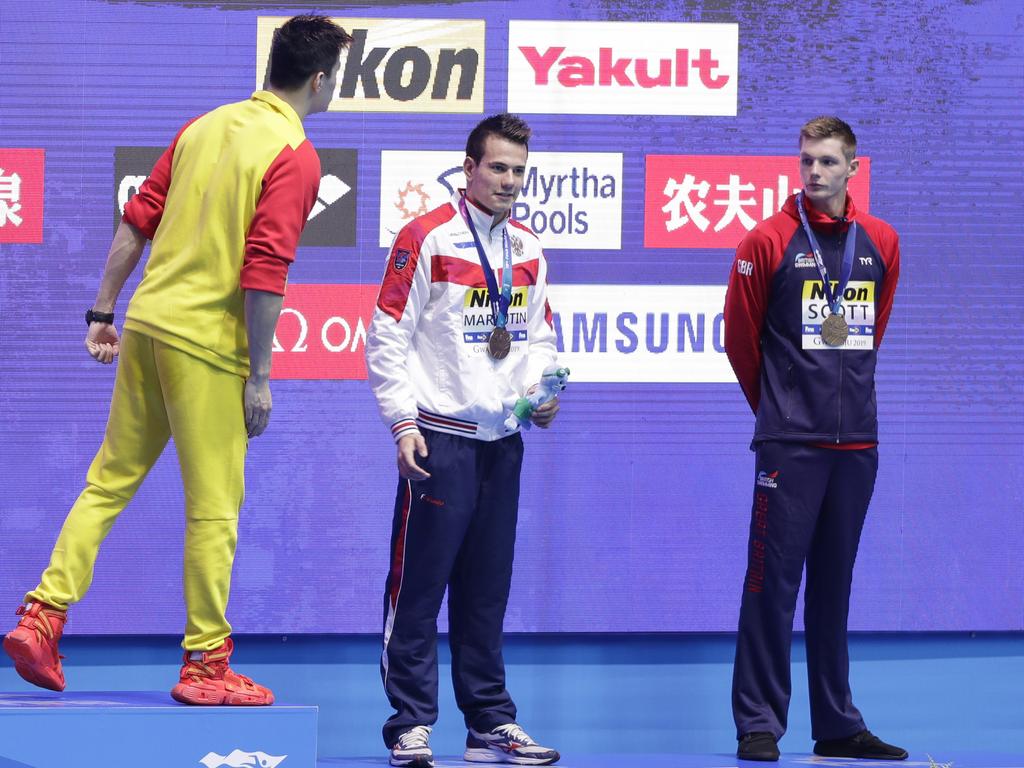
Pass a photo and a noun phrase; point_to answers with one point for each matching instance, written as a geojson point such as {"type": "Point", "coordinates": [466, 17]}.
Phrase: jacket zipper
{"type": "Point", "coordinates": [839, 414]}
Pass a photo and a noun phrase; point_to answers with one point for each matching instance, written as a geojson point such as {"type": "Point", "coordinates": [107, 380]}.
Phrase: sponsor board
{"type": "Point", "coordinates": [321, 333]}
{"type": "Point", "coordinates": [605, 333]}
{"type": "Point", "coordinates": [622, 68]}
{"type": "Point", "coordinates": [400, 65]}
{"type": "Point", "coordinates": [571, 200]}
{"type": "Point", "coordinates": [712, 201]}
{"type": "Point", "coordinates": [641, 333]}
{"type": "Point", "coordinates": [21, 195]}
{"type": "Point", "coordinates": [331, 221]}
{"type": "Point", "coordinates": [132, 166]}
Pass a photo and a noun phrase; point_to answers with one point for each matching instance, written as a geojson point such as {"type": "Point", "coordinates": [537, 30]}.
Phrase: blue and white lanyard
{"type": "Point", "coordinates": [835, 299]}
{"type": "Point", "coordinates": [500, 302]}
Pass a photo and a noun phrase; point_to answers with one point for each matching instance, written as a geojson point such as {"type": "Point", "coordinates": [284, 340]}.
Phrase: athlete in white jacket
{"type": "Point", "coordinates": [462, 329]}
{"type": "Point", "coordinates": [427, 347]}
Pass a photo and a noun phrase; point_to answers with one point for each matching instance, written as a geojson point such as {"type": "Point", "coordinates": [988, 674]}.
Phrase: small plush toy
{"type": "Point", "coordinates": [552, 381]}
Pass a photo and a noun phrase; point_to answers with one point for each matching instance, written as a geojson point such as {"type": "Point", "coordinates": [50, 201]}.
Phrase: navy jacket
{"type": "Point", "coordinates": [799, 388]}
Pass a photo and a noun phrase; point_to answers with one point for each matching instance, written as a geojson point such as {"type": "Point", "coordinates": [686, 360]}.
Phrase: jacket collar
{"type": "Point", "coordinates": [482, 217]}
{"type": "Point", "coordinates": [822, 221]}
{"type": "Point", "coordinates": [279, 105]}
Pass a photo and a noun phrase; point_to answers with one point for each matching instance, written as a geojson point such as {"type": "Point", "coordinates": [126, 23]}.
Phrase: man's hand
{"type": "Point", "coordinates": [545, 414]}
{"type": "Point", "coordinates": [409, 447]}
{"type": "Point", "coordinates": [257, 405]}
{"type": "Point", "coordinates": [102, 342]}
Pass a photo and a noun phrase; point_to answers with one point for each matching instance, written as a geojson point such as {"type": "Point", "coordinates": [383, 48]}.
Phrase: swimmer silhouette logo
{"type": "Point", "coordinates": [240, 759]}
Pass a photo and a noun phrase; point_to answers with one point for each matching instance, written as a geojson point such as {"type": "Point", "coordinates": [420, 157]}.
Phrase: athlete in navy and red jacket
{"type": "Point", "coordinates": [811, 384]}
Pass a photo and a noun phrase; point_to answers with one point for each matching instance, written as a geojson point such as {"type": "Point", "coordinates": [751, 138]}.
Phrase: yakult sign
{"type": "Point", "coordinates": [622, 68]}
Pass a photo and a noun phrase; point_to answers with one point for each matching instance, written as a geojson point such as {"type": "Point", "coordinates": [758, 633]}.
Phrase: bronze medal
{"type": "Point", "coordinates": [834, 330]}
{"type": "Point", "coordinates": [499, 343]}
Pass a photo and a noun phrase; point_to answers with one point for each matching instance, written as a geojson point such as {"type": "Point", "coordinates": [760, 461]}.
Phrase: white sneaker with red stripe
{"type": "Point", "coordinates": [506, 744]}
{"type": "Point", "coordinates": [413, 748]}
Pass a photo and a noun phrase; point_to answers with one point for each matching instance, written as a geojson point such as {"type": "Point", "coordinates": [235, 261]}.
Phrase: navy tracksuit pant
{"type": "Point", "coordinates": [809, 507]}
{"type": "Point", "coordinates": [457, 530]}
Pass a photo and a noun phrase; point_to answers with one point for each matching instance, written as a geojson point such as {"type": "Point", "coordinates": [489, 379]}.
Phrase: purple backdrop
{"type": "Point", "coordinates": [635, 507]}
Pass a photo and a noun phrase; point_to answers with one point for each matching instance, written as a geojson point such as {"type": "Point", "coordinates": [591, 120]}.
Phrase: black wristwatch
{"type": "Point", "coordinates": [92, 316]}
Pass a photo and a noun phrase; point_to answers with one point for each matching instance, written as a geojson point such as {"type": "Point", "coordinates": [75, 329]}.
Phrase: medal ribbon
{"type": "Point", "coordinates": [499, 301]}
{"type": "Point", "coordinates": [835, 299]}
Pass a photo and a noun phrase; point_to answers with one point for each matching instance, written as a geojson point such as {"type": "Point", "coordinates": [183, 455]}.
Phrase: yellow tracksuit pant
{"type": "Point", "coordinates": [161, 392]}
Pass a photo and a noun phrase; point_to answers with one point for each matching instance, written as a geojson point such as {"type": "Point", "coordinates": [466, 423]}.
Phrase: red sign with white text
{"type": "Point", "coordinates": [21, 195]}
{"type": "Point", "coordinates": [322, 332]}
{"type": "Point", "coordinates": [712, 201]}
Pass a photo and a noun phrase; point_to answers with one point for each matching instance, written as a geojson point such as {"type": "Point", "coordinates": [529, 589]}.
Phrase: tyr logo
{"type": "Point", "coordinates": [865, 260]}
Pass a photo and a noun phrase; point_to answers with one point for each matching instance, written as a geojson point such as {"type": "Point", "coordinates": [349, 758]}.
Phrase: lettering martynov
{"type": "Point", "coordinates": [580, 71]}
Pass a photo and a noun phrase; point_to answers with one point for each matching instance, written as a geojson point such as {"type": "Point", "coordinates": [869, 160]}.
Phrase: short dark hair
{"type": "Point", "coordinates": [303, 46]}
{"type": "Point", "coordinates": [827, 127]}
{"type": "Point", "coordinates": [505, 125]}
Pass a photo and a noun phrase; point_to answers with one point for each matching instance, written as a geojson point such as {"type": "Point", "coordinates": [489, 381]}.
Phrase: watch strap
{"type": "Point", "coordinates": [92, 316]}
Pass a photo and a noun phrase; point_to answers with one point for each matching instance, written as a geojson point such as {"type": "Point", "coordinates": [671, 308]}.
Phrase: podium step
{"type": "Point", "coordinates": [122, 729]}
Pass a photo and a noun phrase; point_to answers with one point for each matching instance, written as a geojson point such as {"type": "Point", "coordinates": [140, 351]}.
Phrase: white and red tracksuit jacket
{"type": "Point", "coordinates": [426, 351]}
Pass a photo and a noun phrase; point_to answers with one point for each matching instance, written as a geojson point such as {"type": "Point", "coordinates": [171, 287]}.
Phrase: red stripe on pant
{"type": "Point", "coordinates": [399, 558]}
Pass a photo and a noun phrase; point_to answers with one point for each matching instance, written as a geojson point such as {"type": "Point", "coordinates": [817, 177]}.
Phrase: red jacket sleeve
{"type": "Point", "coordinates": [145, 209]}
{"type": "Point", "coordinates": [397, 282]}
{"type": "Point", "coordinates": [289, 192]}
{"type": "Point", "coordinates": [746, 303]}
{"type": "Point", "coordinates": [890, 249]}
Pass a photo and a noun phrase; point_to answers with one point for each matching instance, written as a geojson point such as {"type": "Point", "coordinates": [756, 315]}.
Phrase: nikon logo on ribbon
{"type": "Point", "coordinates": [401, 65]}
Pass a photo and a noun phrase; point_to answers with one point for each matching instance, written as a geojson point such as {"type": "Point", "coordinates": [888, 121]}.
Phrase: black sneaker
{"type": "Point", "coordinates": [758, 746]}
{"type": "Point", "coordinates": [864, 744]}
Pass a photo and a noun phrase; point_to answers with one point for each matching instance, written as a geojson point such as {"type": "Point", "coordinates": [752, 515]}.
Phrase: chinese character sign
{"type": "Point", "coordinates": [21, 195]}
{"type": "Point", "coordinates": [713, 201]}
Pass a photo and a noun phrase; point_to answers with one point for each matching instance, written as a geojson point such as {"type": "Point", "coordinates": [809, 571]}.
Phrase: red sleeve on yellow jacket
{"type": "Point", "coordinates": [289, 192]}
{"type": "Point", "coordinates": [145, 209]}
{"type": "Point", "coordinates": [746, 303]}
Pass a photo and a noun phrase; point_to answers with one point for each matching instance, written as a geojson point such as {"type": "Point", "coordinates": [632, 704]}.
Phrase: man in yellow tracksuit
{"type": "Point", "coordinates": [224, 206]}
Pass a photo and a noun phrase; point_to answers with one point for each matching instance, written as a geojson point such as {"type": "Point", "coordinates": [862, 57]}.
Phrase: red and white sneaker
{"type": "Point", "coordinates": [206, 678]}
{"type": "Point", "coordinates": [33, 645]}
{"type": "Point", "coordinates": [507, 744]}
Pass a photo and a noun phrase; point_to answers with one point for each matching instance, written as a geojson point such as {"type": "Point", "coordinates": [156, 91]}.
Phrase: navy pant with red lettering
{"type": "Point", "coordinates": [809, 507]}
{"type": "Point", "coordinates": [457, 530]}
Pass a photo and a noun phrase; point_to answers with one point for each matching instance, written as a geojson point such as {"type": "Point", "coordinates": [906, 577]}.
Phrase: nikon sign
{"type": "Point", "coordinates": [401, 65]}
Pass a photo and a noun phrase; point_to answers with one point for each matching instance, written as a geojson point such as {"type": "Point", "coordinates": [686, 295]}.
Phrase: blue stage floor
{"type": "Point", "coordinates": [957, 760]}
{"type": "Point", "coordinates": [654, 701]}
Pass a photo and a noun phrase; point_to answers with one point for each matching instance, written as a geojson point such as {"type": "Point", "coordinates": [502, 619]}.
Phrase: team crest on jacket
{"type": "Point", "coordinates": [401, 258]}
{"type": "Point", "coordinates": [517, 246]}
